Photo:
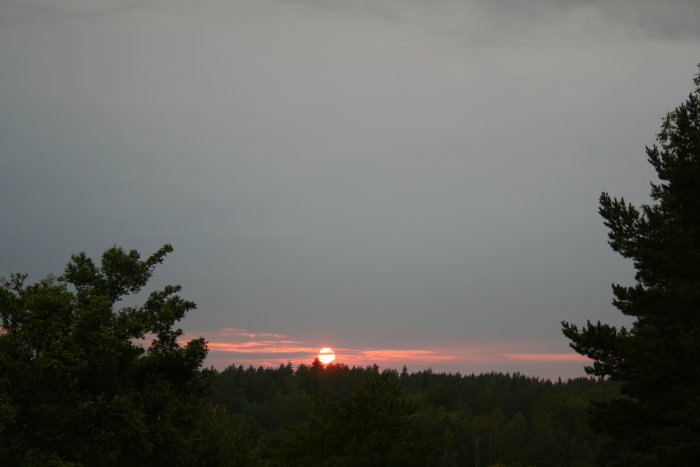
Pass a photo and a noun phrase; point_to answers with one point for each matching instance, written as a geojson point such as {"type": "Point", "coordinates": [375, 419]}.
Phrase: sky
{"type": "Point", "coordinates": [408, 182]}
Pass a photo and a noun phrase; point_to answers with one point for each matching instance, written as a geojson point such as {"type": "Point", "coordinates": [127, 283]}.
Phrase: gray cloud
{"type": "Point", "coordinates": [509, 20]}
{"type": "Point", "coordinates": [21, 12]}
{"type": "Point", "coordinates": [514, 20]}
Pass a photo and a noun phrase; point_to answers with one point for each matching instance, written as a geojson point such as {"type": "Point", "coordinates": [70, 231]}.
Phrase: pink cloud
{"type": "Point", "coordinates": [261, 347]}
{"type": "Point", "coordinates": [372, 355]}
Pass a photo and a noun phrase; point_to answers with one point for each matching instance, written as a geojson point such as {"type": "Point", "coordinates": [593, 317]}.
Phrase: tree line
{"type": "Point", "coordinates": [337, 415]}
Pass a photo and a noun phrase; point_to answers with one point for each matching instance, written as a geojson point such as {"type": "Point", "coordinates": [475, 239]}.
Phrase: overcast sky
{"type": "Point", "coordinates": [409, 182]}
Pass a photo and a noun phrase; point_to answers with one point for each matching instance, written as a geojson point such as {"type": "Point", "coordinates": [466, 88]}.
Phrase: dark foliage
{"type": "Point", "coordinates": [657, 422]}
{"type": "Point", "coordinates": [336, 415]}
{"type": "Point", "coordinates": [77, 388]}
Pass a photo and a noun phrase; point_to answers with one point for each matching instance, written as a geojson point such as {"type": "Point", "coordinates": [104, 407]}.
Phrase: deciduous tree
{"type": "Point", "coordinates": [79, 385]}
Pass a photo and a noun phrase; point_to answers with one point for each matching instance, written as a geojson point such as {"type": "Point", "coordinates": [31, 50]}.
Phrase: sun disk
{"type": "Point", "coordinates": [326, 355]}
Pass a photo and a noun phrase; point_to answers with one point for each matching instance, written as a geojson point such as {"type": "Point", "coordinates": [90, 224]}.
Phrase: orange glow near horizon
{"type": "Point", "coordinates": [263, 348]}
{"type": "Point", "coordinates": [326, 355]}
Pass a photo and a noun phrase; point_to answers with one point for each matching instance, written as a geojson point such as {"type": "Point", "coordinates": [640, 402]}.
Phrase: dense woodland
{"type": "Point", "coordinates": [336, 415]}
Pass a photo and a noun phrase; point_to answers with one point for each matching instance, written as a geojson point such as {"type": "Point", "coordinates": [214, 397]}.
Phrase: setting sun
{"type": "Point", "coordinates": [326, 355]}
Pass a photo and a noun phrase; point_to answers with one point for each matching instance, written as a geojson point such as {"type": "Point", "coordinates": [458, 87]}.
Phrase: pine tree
{"type": "Point", "coordinates": [657, 420]}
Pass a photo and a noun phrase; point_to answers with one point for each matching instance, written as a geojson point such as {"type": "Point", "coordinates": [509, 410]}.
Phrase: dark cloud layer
{"type": "Point", "coordinates": [675, 19]}
{"type": "Point", "coordinates": [672, 19]}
